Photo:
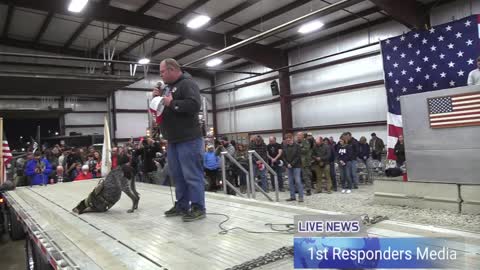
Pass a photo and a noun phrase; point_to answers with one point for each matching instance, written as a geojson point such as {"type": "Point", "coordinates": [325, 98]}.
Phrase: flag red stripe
{"type": "Point", "coordinates": [391, 154]}
{"type": "Point", "coordinates": [466, 99]}
{"type": "Point", "coordinates": [466, 104]}
{"type": "Point", "coordinates": [453, 115]}
{"type": "Point", "coordinates": [455, 120]}
{"type": "Point", "coordinates": [458, 125]}
{"type": "Point", "coordinates": [394, 131]}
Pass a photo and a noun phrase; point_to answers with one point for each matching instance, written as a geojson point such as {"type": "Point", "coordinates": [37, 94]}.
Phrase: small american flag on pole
{"type": "Point", "coordinates": [454, 111]}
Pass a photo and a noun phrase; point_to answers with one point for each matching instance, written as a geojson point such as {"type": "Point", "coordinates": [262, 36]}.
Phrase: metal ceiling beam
{"type": "Point", "coordinates": [255, 52]}
{"type": "Point", "coordinates": [167, 46]}
{"type": "Point", "coordinates": [8, 20]}
{"type": "Point", "coordinates": [329, 25]}
{"type": "Point", "coordinates": [146, 7]}
{"type": "Point", "coordinates": [82, 27]}
{"type": "Point", "coordinates": [267, 17]}
{"type": "Point", "coordinates": [189, 52]}
{"type": "Point", "coordinates": [252, 41]}
{"type": "Point", "coordinates": [410, 13]}
{"type": "Point", "coordinates": [219, 18]}
{"type": "Point", "coordinates": [44, 27]}
{"type": "Point", "coordinates": [180, 15]}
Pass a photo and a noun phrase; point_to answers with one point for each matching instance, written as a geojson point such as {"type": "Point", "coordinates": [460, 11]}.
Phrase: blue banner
{"type": "Point", "coordinates": [358, 252]}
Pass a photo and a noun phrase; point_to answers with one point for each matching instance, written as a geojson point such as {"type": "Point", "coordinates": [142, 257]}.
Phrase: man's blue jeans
{"type": "Point", "coordinates": [294, 178]}
{"type": "Point", "coordinates": [345, 175]}
{"type": "Point", "coordinates": [353, 173]}
{"type": "Point", "coordinates": [263, 178]}
{"type": "Point", "coordinates": [279, 171]}
{"type": "Point", "coordinates": [185, 161]}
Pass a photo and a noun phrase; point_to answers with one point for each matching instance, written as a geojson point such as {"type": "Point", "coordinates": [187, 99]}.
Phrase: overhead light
{"type": "Point", "coordinates": [77, 5]}
{"type": "Point", "coordinates": [198, 21]}
{"type": "Point", "coordinates": [310, 27]}
{"type": "Point", "coordinates": [214, 62]}
{"type": "Point", "coordinates": [144, 61]}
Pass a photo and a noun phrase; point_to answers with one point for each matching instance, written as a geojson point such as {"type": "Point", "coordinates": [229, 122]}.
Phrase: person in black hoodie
{"type": "Point", "coordinates": [293, 160]}
{"type": "Point", "coordinates": [333, 156]}
{"type": "Point", "coordinates": [400, 151]}
{"type": "Point", "coordinates": [181, 128]}
{"type": "Point", "coordinates": [344, 153]}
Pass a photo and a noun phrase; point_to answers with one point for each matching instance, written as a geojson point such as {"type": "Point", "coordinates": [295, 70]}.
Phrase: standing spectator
{"type": "Point", "coordinates": [474, 75]}
{"type": "Point", "coordinates": [38, 169]}
{"type": "Point", "coordinates": [114, 158]}
{"type": "Point", "coordinates": [181, 128]}
{"type": "Point", "coordinates": [211, 164]}
{"type": "Point", "coordinates": [241, 155]}
{"type": "Point", "coordinates": [332, 141]}
{"type": "Point", "coordinates": [59, 176]}
{"type": "Point", "coordinates": [275, 151]}
{"type": "Point", "coordinates": [400, 151]}
{"type": "Point", "coordinates": [85, 174]}
{"type": "Point", "coordinates": [345, 164]}
{"type": "Point", "coordinates": [376, 147]}
{"type": "Point", "coordinates": [306, 154]}
{"type": "Point", "coordinates": [92, 165]}
{"type": "Point", "coordinates": [260, 147]}
{"type": "Point", "coordinates": [321, 155]}
{"type": "Point", "coordinates": [147, 151]}
{"type": "Point", "coordinates": [98, 167]}
{"type": "Point", "coordinates": [333, 174]}
{"type": "Point", "coordinates": [364, 150]}
{"type": "Point", "coordinates": [293, 161]}
{"type": "Point", "coordinates": [355, 153]}
{"type": "Point", "coordinates": [226, 146]}
{"type": "Point", "coordinates": [73, 160]}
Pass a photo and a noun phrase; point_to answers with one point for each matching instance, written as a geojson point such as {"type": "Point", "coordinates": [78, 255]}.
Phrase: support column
{"type": "Point", "coordinates": [213, 81]}
{"type": "Point", "coordinates": [285, 100]}
{"type": "Point", "coordinates": [61, 107]}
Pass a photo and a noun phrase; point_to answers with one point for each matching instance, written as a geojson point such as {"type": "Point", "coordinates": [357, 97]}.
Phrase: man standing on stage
{"type": "Point", "coordinates": [181, 128]}
{"type": "Point", "coordinates": [474, 75]}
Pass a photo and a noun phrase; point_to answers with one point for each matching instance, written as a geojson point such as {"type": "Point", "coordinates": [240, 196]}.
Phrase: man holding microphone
{"type": "Point", "coordinates": [180, 126]}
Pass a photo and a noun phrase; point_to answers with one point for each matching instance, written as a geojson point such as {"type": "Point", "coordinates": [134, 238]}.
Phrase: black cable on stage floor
{"type": "Point", "coordinates": [290, 229]}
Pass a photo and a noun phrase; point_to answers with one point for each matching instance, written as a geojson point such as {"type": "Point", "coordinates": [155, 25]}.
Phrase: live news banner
{"type": "Point", "coordinates": [342, 242]}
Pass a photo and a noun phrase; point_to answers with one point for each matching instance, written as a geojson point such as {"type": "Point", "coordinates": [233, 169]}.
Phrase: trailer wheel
{"type": "Point", "coordinates": [15, 228]}
{"type": "Point", "coordinates": [34, 260]}
{"type": "Point", "coordinates": [30, 254]}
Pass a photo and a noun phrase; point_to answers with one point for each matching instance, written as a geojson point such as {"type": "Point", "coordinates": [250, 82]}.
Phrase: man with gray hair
{"type": "Point", "coordinates": [181, 128]}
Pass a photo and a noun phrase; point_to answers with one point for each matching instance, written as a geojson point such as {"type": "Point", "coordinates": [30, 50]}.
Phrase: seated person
{"type": "Point", "coordinates": [38, 170]}
{"type": "Point", "coordinates": [59, 176]}
{"type": "Point", "coordinates": [85, 174]}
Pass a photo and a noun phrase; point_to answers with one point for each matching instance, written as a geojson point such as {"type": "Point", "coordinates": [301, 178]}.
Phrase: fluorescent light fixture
{"type": "Point", "coordinates": [144, 61]}
{"type": "Point", "coordinates": [198, 21]}
{"type": "Point", "coordinates": [77, 5]}
{"type": "Point", "coordinates": [214, 62]}
{"type": "Point", "coordinates": [310, 27]}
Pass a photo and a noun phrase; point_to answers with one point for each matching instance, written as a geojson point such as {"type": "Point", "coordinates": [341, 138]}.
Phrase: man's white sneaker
{"type": "Point", "coordinates": [349, 191]}
{"type": "Point", "coordinates": [343, 190]}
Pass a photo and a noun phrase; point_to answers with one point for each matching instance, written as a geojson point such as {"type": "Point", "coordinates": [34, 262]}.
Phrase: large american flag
{"type": "Point", "coordinates": [454, 111]}
{"type": "Point", "coordinates": [429, 60]}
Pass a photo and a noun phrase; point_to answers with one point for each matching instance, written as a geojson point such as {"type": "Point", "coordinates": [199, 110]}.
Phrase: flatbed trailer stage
{"type": "Point", "coordinates": [147, 240]}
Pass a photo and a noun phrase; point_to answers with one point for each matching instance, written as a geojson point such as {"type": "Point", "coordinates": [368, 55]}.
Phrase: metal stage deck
{"type": "Point", "coordinates": [148, 240]}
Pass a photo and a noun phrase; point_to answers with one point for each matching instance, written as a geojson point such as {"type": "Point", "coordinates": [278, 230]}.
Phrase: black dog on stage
{"type": "Point", "coordinates": [109, 190]}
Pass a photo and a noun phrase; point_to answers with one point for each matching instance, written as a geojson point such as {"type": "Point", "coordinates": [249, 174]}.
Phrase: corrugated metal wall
{"type": "Point", "coordinates": [362, 104]}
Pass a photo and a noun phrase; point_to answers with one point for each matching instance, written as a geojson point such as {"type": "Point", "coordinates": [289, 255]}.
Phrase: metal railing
{"type": "Point", "coordinates": [253, 184]}
{"type": "Point", "coordinates": [226, 183]}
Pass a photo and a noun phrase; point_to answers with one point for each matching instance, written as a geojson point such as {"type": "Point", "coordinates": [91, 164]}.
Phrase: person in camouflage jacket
{"type": "Point", "coordinates": [306, 153]}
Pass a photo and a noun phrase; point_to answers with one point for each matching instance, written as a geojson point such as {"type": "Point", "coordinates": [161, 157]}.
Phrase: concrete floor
{"type": "Point", "coordinates": [12, 254]}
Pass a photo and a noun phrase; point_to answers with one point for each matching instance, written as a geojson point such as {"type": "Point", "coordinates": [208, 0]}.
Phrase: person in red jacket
{"type": "Point", "coordinates": [85, 174]}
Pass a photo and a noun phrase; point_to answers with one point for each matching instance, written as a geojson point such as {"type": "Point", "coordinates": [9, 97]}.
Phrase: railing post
{"type": "Point", "coordinates": [252, 176]}
{"type": "Point", "coordinates": [224, 173]}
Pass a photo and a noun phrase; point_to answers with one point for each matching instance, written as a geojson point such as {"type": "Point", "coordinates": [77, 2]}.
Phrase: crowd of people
{"type": "Point", "coordinates": [310, 163]}
{"type": "Point", "coordinates": [61, 163]}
